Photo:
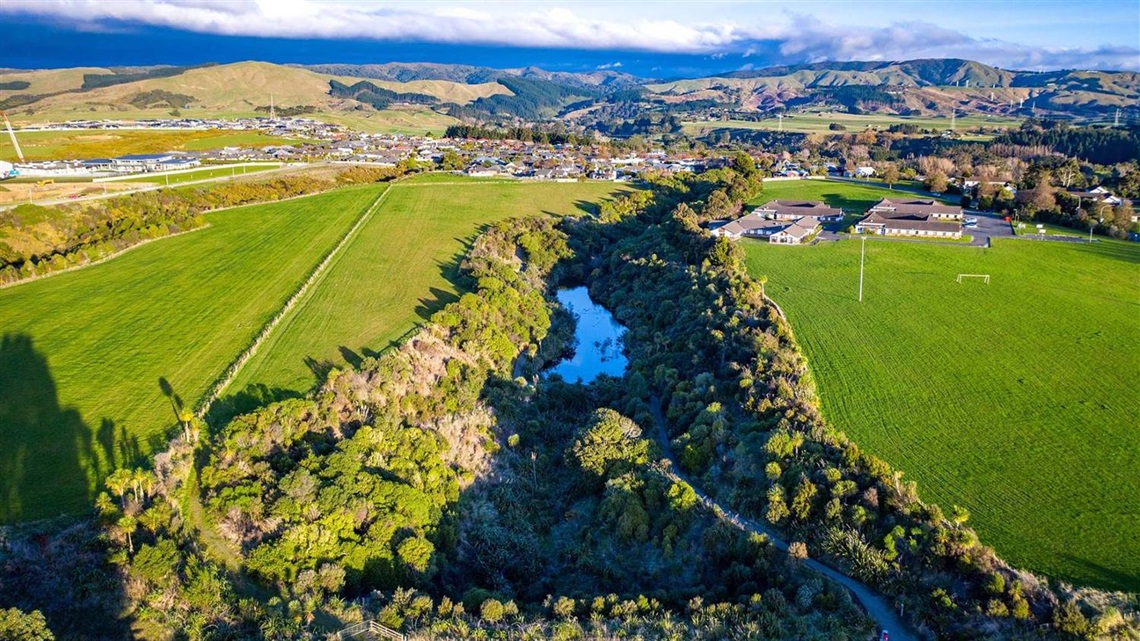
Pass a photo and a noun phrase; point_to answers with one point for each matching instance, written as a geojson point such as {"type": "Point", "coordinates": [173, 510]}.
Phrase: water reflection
{"type": "Point", "coordinates": [597, 338]}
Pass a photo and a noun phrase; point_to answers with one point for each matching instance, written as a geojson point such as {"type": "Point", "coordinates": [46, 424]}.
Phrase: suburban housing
{"type": "Point", "coordinates": [912, 218]}
{"type": "Point", "coordinates": [785, 223]}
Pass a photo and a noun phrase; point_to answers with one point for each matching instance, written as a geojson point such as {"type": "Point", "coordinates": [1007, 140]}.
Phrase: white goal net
{"type": "Point", "coordinates": [984, 277]}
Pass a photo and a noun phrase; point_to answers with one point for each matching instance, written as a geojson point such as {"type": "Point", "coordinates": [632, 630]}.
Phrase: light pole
{"type": "Point", "coordinates": [862, 254]}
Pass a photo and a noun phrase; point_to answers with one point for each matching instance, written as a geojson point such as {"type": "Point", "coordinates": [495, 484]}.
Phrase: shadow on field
{"type": "Point", "coordinates": [119, 448]}
{"type": "Point", "coordinates": [254, 396]}
{"type": "Point", "coordinates": [46, 451]}
{"type": "Point", "coordinates": [1116, 251]}
{"type": "Point", "coordinates": [1106, 577]}
{"type": "Point", "coordinates": [437, 300]}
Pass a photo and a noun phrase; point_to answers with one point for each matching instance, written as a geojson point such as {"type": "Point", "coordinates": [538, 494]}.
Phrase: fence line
{"type": "Point", "coordinates": [235, 367]}
{"type": "Point", "coordinates": [370, 627]}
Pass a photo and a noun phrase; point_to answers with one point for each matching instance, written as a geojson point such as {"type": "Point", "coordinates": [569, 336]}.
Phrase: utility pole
{"type": "Point", "coordinates": [862, 254]}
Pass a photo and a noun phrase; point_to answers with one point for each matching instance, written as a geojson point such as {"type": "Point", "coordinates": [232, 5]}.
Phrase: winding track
{"type": "Point", "coordinates": [876, 605]}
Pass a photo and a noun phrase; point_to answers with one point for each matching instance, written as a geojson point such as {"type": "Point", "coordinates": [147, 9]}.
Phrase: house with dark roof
{"type": "Point", "coordinates": [783, 232]}
{"type": "Point", "coordinates": [912, 218]}
{"type": "Point", "coordinates": [1097, 194]}
{"type": "Point", "coordinates": [794, 210]}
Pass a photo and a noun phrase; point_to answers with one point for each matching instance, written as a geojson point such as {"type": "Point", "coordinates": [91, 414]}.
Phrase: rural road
{"type": "Point", "coordinates": [877, 606]}
{"type": "Point", "coordinates": [147, 187]}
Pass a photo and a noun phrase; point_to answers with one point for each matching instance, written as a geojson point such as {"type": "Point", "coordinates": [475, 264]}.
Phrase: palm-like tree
{"type": "Point", "coordinates": [186, 418]}
{"type": "Point", "coordinates": [118, 482]}
{"type": "Point", "coordinates": [128, 524]}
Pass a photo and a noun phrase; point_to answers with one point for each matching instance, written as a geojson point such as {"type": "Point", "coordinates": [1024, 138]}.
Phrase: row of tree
{"type": "Point", "coordinates": [39, 240]}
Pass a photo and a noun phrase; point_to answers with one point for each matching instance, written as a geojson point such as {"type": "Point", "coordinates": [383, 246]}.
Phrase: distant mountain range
{"type": "Point", "coordinates": [443, 93]}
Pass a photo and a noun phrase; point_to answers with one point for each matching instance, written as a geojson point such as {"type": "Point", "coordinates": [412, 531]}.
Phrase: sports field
{"type": "Point", "coordinates": [399, 269]}
{"type": "Point", "coordinates": [1017, 399]}
{"type": "Point", "coordinates": [83, 352]}
{"type": "Point", "coordinates": [853, 198]}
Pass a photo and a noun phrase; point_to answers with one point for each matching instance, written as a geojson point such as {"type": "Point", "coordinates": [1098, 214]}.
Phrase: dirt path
{"type": "Point", "coordinates": [877, 606]}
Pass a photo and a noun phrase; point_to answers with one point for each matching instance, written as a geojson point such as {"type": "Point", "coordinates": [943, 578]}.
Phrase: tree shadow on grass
{"type": "Point", "coordinates": [1106, 577]}
{"type": "Point", "coordinates": [119, 448]}
{"type": "Point", "coordinates": [48, 462]}
{"type": "Point", "coordinates": [254, 396]}
{"type": "Point", "coordinates": [437, 300]}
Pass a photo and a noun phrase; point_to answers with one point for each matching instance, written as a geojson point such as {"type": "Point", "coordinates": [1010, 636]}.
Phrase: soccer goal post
{"type": "Point", "coordinates": [984, 277]}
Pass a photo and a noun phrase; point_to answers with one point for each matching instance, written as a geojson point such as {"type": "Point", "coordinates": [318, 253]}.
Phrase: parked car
{"type": "Point", "coordinates": [970, 225]}
{"type": "Point", "coordinates": [971, 221]}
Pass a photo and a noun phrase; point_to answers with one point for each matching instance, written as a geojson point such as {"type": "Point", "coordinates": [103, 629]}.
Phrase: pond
{"type": "Point", "coordinates": [597, 339]}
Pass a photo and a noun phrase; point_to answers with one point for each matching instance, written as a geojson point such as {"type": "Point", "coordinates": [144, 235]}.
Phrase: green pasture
{"type": "Point", "coordinates": [73, 144]}
{"type": "Point", "coordinates": [1017, 400]}
{"type": "Point", "coordinates": [399, 269]}
{"type": "Point", "coordinates": [84, 352]}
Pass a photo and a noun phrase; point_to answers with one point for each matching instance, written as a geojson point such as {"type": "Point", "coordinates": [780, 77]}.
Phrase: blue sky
{"type": "Point", "coordinates": [658, 39]}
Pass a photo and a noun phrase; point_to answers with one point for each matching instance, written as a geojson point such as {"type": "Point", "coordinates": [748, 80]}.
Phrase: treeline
{"type": "Point", "coordinates": [161, 98]}
{"type": "Point", "coordinates": [37, 240]}
{"type": "Point", "coordinates": [98, 80]}
{"type": "Point", "coordinates": [378, 97]}
{"type": "Point", "coordinates": [532, 99]}
{"type": "Point", "coordinates": [287, 112]}
{"type": "Point", "coordinates": [1103, 146]}
{"type": "Point", "coordinates": [857, 97]}
{"type": "Point", "coordinates": [523, 134]}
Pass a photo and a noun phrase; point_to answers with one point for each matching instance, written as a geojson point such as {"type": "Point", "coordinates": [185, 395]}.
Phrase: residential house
{"type": "Point", "coordinates": [794, 210]}
{"type": "Point", "coordinates": [1097, 194]}
{"type": "Point", "coordinates": [912, 218]}
{"type": "Point", "coordinates": [785, 232]}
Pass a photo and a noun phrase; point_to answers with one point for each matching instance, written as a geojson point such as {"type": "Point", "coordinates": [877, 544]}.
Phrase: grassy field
{"type": "Point", "coordinates": [397, 271]}
{"type": "Point", "coordinates": [201, 174]}
{"type": "Point", "coordinates": [1017, 400]}
{"type": "Point", "coordinates": [403, 120]}
{"type": "Point", "coordinates": [83, 352]}
{"type": "Point", "coordinates": [81, 144]}
{"type": "Point", "coordinates": [853, 198]}
{"type": "Point", "coordinates": [818, 123]}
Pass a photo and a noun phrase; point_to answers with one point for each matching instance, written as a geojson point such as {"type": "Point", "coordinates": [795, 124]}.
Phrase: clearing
{"type": "Point", "coordinates": [1016, 400]}
{"type": "Point", "coordinates": [854, 198]}
{"type": "Point", "coordinates": [83, 351]}
{"type": "Point", "coordinates": [204, 173]}
{"type": "Point", "coordinates": [79, 144]}
{"type": "Point", "coordinates": [399, 269]}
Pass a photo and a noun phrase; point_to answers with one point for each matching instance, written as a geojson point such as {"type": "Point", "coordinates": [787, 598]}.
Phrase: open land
{"type": "Point", "coordinates": [400, 268]}
{"type": "Point", "coordinates": [1016, 400]}
{"type": "Point", "coordinates": [108, 143]}
{"type": "Point", "coordinates": [84, 351]}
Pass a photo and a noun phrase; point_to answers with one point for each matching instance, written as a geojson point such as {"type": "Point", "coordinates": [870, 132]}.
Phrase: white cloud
{"type": "Point", "coordinates": [693, 28]}
{"type": "Point", "coordinates": [610, 65]}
